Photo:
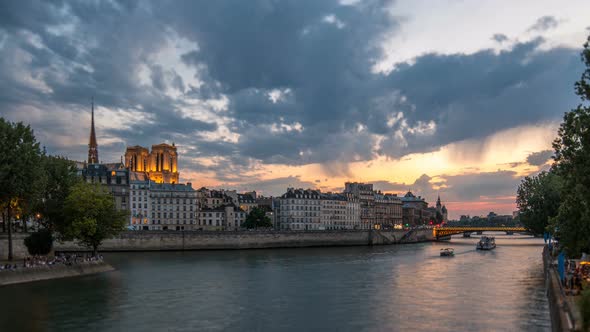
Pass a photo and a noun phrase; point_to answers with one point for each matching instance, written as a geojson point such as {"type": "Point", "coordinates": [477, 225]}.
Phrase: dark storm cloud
{"type": "Point", "coordinates": [276, 187]}
{"type": "Point", "coordinates": [319, 54]}
{"type": "Point", "coordinates": [463, 187]}
{"type": "Point", "coordinates": [83, 49]}
{"type": "Point", "coordinates": [500, 37]}
{"type": "Point", "coordinates": [544, 23]}
{"type": "Point", "coordinates": [327, 70]}
{"type": "Point", "coordinates": [473, 96]}
{"type": "Point", "coordinates": [539, 158]}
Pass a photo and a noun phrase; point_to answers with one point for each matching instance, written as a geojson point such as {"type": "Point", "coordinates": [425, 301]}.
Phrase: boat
{"type": "Point", "coordinates": [486, 243]}
{"type": "Point", "coordinates": [447, 252]}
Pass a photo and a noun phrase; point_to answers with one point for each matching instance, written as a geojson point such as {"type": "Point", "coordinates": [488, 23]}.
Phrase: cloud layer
{"type": "Point", "coordinates": [241, 85]}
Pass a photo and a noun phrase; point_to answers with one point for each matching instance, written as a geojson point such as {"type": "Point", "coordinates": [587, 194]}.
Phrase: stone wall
{"type": "Point", "coordinates": [563, 311]}
{"type": "Point", "coordinates": [198, 240]}
{"type": "Point", "coordinates": [19, 250]}
{"type": "Point", "coordinates": [37, 273]}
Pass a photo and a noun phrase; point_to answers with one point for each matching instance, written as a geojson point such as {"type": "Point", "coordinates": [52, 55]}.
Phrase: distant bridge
{"type": "Point", "coordinates": [446, 231]}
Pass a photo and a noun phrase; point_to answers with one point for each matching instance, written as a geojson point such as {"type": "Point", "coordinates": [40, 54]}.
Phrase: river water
{"type": "Point", "coordinates": [385, 288]}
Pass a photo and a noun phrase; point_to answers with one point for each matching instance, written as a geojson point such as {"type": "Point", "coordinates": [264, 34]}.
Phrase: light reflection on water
{"type": "Point", "coordinates": [395, 288]}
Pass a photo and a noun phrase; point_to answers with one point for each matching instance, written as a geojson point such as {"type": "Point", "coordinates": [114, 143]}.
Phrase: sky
{"type": "Point", "coordinates": [453, 98]}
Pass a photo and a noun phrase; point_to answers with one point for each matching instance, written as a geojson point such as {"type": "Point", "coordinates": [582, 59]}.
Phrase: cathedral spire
{"type": "Point", "coordinates": [92, 145]}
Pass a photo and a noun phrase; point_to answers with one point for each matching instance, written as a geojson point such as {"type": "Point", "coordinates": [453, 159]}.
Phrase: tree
{"type": "Point", "coordinates": [257, 218]}
{"type": "Point", "coordinates": [60, 176]}
{"type": "Point", "coordinates": [538, 199]}
{"type": "Point", "coordinates": [39, 242]}
{"type": "Point", "coordinates": [90, 216]}
{"type": "Point", "coordinates": [20, 175]}
{"type": "Point", "coordinates": [572, 161]}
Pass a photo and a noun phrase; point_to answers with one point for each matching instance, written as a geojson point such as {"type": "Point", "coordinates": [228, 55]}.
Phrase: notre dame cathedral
{"type": "Point", "coordinates": [160, 165]}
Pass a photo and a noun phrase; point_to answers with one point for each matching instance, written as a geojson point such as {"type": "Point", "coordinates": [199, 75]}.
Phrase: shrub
{"type": "Point", "coordinates": [39, 243]}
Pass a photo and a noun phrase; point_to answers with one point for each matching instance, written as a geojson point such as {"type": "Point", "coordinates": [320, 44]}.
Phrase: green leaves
{"type": "Point", "coordinates": [20, 175]}
{"type": "Point", "coordinates": [60, 175]}
{"type": "Point", "coordinates": [538, 199]}
{"type": "Point", "coordinates": [90, 215]}
{"type": "Point", "coordinates": [572, 164]}
{"type": "Point", "coordinates": [257, 218]}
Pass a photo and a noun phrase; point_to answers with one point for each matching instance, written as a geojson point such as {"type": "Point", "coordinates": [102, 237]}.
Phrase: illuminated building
{"type": "Point", "coordinates": [160, 165]}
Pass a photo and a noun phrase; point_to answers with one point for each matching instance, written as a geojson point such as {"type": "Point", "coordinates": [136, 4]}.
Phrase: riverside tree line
{"type": "Point", "coordinates": [47, 189]}
{"type": "Point", "coordinates": [558, 201]}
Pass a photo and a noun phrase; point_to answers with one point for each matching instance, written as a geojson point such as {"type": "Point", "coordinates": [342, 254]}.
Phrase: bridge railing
{"type": "Point", "coordinates": [444, 231]}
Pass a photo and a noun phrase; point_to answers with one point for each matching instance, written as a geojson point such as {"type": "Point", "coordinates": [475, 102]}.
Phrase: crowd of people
{"type": "Point", "coordinates": [58, 260]}
{"type": "Point", "coordinates": [575, 274]}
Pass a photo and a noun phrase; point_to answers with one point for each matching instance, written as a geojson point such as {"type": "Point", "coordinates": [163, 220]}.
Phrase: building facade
{"type": "Point", "coordinates": [388, 210]}
{"type": "Point", "coordinates": [339, 211]}
{"type": "Point", "coordinates": [363, 192]}
{"type": "Point", "coordinates": [222, 218]}
{"type": "Point", "coordinates": [162, 206]}
{"type": "Point", "coordinates": [115, 177]}
{"type": "Point", "coordinates": [300, 209]}
{"type": "Point", "coordinates": [415, 210]}
{"type": "Point", "coordinates": [160, 165]}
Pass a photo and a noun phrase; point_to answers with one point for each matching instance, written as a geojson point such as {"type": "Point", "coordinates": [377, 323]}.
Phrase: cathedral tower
{"type": "Point", "coordinates": [92, 145]}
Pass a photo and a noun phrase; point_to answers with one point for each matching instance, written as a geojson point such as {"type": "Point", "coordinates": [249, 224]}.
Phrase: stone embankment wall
{"type": "Point", "coordinates": [564, 314]}
{"type": "Point", "coordinates": [19, 250]}
{"type": "Point", "coordinates": [196, 240]}
{"type": "Point", "coordinates": [22, 275]}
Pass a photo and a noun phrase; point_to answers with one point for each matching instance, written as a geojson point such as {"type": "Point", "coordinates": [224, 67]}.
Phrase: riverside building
{"type": "Point", "coordinates": [339, 211]}
{"type": "Point", "coordinates": [364, 193]}
{"type": "Point", "coordinates": [222, 218]}
{"type": "Point", "coordinates": [162, 206]}
{"type": "Point", "coordinates": [300, 209]}
{"type": "Point", "coordinates": [388, 210]}
{"type": "Point", "coordinates": [415, 210]}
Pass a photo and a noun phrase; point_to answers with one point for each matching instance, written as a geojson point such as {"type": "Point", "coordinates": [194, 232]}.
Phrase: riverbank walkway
{"type": "Point", "coordinates": [565, 314]}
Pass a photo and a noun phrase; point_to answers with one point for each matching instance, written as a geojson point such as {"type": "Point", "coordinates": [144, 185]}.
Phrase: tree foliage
{"type": "Point", "coordinates": [39, 242]}
{"type": "Point", "coordinates": [60, 175]}
{"type": "Point", "coordinates": [538, 199]}
{"type": "Point", "coordinates": [257, 218]}
{"type": "Point", "coordinates": [21, 179]}
{"type": "Point", "coordinates": [90, 216]}
{"type": "Point", "coordinates": [572, 161]}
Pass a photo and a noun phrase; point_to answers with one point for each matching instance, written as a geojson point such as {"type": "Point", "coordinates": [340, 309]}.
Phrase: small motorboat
{"type": "Point", "coordinates": [445, 252]}
{"type": "Point", "coordinates": [486, 243]}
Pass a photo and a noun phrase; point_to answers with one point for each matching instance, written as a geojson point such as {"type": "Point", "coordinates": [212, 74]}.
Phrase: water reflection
{"type": "Point", "coordinates": [405, 287]}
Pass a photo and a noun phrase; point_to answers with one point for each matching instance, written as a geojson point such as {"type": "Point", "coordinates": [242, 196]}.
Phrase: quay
{"type": "Point", "coordinates": [212, 240]}
{"type": "Point", "coordinates": [37, 273]}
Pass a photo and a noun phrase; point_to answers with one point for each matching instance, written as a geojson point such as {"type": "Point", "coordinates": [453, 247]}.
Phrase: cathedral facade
{"type": "Point", "coordinates": [160, 165]}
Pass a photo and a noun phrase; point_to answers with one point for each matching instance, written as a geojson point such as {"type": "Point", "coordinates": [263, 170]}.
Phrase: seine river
{"type": "Point", "coordinates": [388, 288]}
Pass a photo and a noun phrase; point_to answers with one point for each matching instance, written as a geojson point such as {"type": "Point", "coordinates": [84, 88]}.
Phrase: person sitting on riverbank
{"type": "Point", "coordinates": [59, 260]}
